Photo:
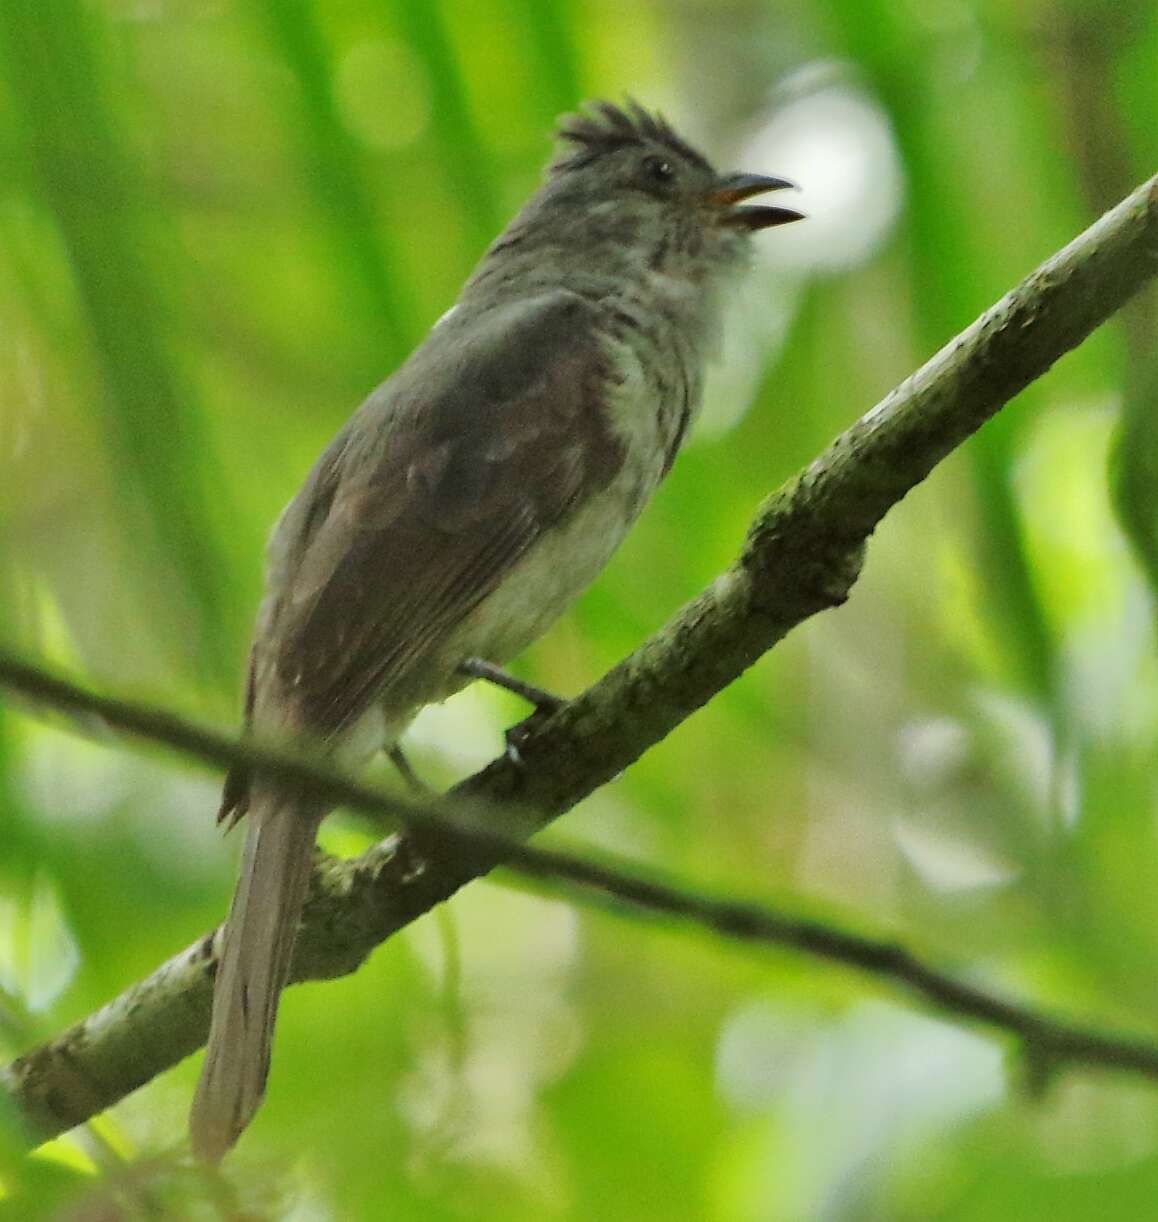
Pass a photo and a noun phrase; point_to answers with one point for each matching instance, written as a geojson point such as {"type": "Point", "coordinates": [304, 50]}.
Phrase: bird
{"type": "Point", "coordinates": [466, 503]}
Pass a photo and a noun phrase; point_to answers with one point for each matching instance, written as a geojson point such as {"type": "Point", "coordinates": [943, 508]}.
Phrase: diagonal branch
{"type": "Point", "coordinates": [801, 556]}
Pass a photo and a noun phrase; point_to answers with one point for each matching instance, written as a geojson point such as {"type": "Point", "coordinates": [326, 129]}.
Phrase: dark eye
{"type": "Point", "coordinates": [658, 169]}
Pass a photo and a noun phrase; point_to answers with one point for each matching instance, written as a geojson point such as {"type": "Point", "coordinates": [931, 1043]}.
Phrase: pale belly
{"type": "Point", "coordinates": [544, 583]}
{"type": "Point", "coordinates": [529, 599]}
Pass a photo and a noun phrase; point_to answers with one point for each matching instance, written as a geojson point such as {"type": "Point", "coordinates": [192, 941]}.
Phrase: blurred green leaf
{"type": "Point", "coordinates": [463, 155]}
{"type": "Point", "coordinates": [88, 180]}
{"type": "Point", "coordinates": [334, 175]}
{"type": "Point", "coordinates": [1135, 469]}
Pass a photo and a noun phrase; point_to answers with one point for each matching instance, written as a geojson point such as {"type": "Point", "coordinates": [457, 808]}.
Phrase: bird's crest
{"type": "Point", "coordinates": [602, 126]}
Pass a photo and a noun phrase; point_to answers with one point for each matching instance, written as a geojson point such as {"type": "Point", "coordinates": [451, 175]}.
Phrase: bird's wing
{"type": "Point", "coordinates": [489, 436]}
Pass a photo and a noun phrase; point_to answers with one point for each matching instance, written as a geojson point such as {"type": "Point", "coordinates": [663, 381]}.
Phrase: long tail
{"type": "Point", "coordinates": [255, 962]}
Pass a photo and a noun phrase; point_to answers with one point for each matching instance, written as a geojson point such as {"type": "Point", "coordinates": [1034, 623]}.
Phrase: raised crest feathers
{"type": "Point", "coordinates": [602, 126]}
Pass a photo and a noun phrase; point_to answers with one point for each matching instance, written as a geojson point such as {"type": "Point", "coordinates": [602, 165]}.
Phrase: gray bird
{"type": "Point", "coordinates": [467, 502]}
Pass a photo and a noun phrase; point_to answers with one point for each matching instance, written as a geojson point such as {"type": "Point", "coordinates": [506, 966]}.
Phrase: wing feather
{"type": "Point", "coordinates": [489, 436]}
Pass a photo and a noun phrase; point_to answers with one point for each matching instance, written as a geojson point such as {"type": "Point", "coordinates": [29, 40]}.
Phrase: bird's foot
{"type": "Point", "coordinates": [545, 702]}
{"type": "Point", "coordinates": [515, 736]}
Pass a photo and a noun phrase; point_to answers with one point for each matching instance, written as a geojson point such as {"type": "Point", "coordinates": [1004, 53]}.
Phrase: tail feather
{"type": "Point", "coordinates": [256, 953]}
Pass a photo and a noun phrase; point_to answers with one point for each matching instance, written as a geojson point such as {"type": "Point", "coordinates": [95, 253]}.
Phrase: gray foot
{"type": "Point", "coordinates": [545, 702]}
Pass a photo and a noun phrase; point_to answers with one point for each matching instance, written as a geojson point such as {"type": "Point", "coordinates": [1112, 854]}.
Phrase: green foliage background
{"type": "Point", "coordinates": [221, 222]}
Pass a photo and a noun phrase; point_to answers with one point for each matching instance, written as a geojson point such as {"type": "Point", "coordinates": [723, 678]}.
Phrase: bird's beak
{"type": "Point", "coordinates": [731, 190]}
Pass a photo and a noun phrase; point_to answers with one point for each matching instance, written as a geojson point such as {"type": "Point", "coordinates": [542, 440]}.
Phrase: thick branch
{"type": "Point", "coordinates": [801, 556]}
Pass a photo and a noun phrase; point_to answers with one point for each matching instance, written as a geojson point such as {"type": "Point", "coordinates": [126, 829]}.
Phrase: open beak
{"type": "Point", "coordinates": [731, 191]}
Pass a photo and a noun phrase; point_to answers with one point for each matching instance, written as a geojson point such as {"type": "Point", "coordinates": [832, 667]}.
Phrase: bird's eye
{"type": "Point", "coordinates": [658, 169]}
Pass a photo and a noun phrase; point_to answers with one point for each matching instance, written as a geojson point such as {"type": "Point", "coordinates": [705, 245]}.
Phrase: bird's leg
{"type": "Point", "coordinates": [412, 779]}
{"type": "Point", "coordinates": [545, 702]}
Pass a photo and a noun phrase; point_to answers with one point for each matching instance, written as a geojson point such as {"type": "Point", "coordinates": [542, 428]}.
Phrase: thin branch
{"type": "Point", "coordinates": [801, 556]}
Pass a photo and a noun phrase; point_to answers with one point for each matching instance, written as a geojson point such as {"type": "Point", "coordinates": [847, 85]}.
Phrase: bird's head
{"type": "Point", "coordinates": [626, 172]}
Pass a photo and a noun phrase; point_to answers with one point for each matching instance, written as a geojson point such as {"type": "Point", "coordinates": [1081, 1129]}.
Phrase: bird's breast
{"type": "Point", "coordinates": [655, 392]}
{"type": "Point", "coordinates": [649, 397]}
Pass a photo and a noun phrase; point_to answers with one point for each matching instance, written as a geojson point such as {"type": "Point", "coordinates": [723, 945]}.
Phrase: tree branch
{"type": "Point", "coordinates": [801, 556]}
